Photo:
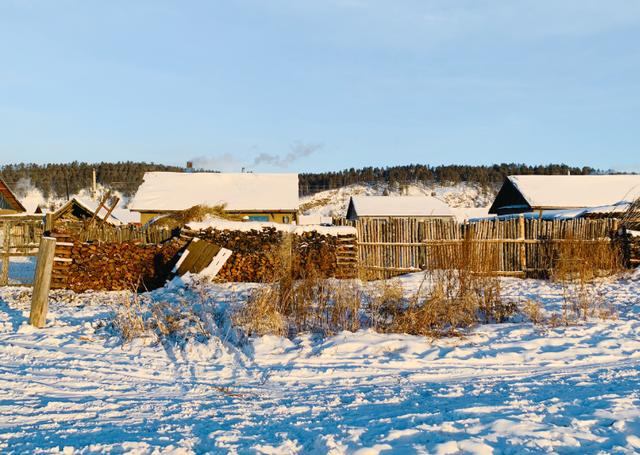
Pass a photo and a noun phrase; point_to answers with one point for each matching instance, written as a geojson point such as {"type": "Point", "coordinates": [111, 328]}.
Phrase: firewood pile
{"type": "Point", "coordinates": [112, 266]}
{"type": "Point", "coordinates": [260, 255]}
{"type": "Point", "coordinates": [634, 251]}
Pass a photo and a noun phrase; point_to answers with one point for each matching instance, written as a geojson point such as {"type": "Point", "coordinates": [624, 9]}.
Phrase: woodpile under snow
{"type": "Point", "coordinates": [259, 254]}
{"type": "Point", "coordinates": [113, 266]}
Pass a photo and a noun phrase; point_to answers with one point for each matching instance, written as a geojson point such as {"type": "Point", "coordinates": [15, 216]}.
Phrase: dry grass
{"type": "Point", "coordinates": [260, 315]}
{"type": "Point", "coordinates": [298, 299]}
{"type": "Point", "coordinates": [157, 320]}
{"type": "Point", "coordinates": [577, 265]}
{"type": "Point", "coordinates": [460, 292]}
{"type": "Point", "coordinates": [196, 213]}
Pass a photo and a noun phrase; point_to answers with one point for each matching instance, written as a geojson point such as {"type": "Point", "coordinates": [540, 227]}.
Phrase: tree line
{"type": "Point", "coordinates": [58, 180]}
{"type": "Point", "coordinates": [485, 176]}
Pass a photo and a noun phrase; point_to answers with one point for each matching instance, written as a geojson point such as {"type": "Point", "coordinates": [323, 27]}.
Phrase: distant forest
{"type": "Point", "coordinates": [58, 180]}
{"type": "Point", "coordinates": [485, 176]}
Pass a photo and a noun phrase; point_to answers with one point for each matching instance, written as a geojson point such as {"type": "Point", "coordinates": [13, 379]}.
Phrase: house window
{"type": "Point", "coordinates": [285, 219]}
{"type": "Point", "coordinates": [259, 217]}
{"type": "Point", "coordinates": [3, 203]}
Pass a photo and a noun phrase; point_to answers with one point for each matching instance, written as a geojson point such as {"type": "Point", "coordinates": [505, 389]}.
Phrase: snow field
{"type": "Point", "coordinates": [74, 387]}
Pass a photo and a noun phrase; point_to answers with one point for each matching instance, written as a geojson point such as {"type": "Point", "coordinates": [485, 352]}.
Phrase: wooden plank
{"type": "Point", "coordinates": [199, 254]}
{"type": "Point", "coordinates": [42, 283]}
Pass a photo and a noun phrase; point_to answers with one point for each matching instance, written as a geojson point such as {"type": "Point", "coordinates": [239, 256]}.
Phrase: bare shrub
{"type": "Point", "coordinates": [158, 320]}
{"type": "Point", "coordinates": [576, 266]}
{"type": "Point", "coordinates": [532, 310]}
{"type": "Point", "coordinates": [260, 315]}
{"type": "Point", "coordinates": [129, 320]}
{"type": "Point", "coordinates": [385, 302]}
{"type": "Point", "coordinates": [299, 299]}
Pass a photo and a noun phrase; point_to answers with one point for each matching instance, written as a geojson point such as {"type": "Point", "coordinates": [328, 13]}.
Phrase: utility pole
{"type": "Point", "coordinates": [94, 189]}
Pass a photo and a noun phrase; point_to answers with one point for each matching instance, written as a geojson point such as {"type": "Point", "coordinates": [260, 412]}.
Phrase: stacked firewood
{"type": "Point", "coordinates": [119, 266]}
{"type": "Point", "coordinates": [263, 255]}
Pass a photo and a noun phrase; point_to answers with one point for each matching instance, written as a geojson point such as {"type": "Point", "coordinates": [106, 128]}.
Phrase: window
{"type": "Point", "coordinates": [259, 217]}
{"type": "Point", "coordinates": [285, 219]}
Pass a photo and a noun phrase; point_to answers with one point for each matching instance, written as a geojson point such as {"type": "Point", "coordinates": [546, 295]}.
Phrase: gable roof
{"type": "Point", "coordinates": [410, 206]}
{"type": "Point", "coordinates": [87, 207]}
{"type": "Point", "coordinates": [573, 191]}
{"type": "Point", "coordinates": [241, 192]}
{"type": "Point", "coordinates": [10, 198]}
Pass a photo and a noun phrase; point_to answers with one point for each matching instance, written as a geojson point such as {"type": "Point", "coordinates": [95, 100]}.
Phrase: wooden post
{"type": "Point", "coordinates": [523, 245]}
{"type": "Point", "coordinates": [42, 282]}
{"type": "Point", "coordinates": [6, 245]}
{"type": "Point", "coordinates": [48, 222]}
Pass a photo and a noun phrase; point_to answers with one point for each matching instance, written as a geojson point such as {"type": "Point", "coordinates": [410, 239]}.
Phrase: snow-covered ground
{"type": "Point", "coordinates": [507, 388]}
{"type": "Point", "coordinates": [467, 200]}
{"type": "Point", "coordinates": [22, 269]}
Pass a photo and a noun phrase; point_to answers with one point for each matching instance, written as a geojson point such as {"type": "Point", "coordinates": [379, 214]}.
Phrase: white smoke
{"type": "Point", "coordinates": [227, 162]}
{"type": "Point", "coordinates": [28, 194]}
{"type": "Point", "coordinates": [298, 151]}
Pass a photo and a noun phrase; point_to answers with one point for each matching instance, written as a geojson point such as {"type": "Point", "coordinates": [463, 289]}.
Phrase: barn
{"type": "Point", "coordinates": [386, 207]}
{"type": "Point", "coordinates": [542, 193]}
{"type": "Point", "coordinates": [251, 196]}
{"type": "Point", "coordinates": [9, 203]}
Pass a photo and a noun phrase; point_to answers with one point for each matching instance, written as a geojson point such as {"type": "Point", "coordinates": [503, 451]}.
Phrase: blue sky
{"type": "Point", "coordinates": [306, 85]}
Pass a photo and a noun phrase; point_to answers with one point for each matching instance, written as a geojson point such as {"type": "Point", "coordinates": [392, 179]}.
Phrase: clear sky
{"type": "Point", "coordinates": [307, 85]}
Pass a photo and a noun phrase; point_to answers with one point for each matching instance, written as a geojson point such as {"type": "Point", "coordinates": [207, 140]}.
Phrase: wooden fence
{"type": "Point", "coordinates": [515, 246]}
{"type": "Point", "coordinates": [19, 236]}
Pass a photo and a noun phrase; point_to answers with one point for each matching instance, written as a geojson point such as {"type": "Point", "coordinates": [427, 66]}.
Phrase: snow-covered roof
{"type": "Point", "coordinates": [567, 214]}
{"type": "Point", "coordinates": [414, 206]}
{"type": "Point", "coordinates": [90, 206]}
{"type": "Point", "coordinates": [565, 191]}
{"type": "Point", "coordinates": [119, 215]}
{"type": "Point", "coordinates": [169, 191]}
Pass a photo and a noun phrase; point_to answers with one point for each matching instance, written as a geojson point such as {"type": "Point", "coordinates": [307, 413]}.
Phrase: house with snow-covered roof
{"type": "Point", "coordinates": [541, 193]}
{"type": "Point", "coordinates": [251, 196]}
{"type": "Point", "coordinates": [381, 207]}
{"type": "Point", "coordinates": [9, 203]}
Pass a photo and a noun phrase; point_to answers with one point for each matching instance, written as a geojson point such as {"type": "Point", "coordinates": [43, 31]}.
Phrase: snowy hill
{"type": "Point", "coordinates": [468, 200]}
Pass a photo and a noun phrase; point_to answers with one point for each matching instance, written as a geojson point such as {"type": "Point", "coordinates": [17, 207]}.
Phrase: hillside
{"type": "Point", "coordinates": [467, 199]}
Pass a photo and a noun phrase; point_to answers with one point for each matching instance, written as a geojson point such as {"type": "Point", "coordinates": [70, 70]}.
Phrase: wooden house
{"type": "Point", "coordinates": [9, 203]}
{"type": "Point", "coordinates": [249, 196]}
{"type": "Point", "coordinates": [387, 207]}
{"type": "Point", "coordinates": [543, 193]}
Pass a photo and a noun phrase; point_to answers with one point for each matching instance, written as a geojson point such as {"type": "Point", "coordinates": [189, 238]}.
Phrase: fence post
{"type": "Point", "coordinates": [523, 245]}
{"type": "Point", "coordinates": [6, 246]}
{"type": "Point", "coordinates": [42, 282]}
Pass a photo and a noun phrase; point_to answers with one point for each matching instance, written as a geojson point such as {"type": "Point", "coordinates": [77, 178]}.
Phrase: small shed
{"type": "Point", "coordinates": [541, 193]}
{"type": "Point", "coordinates": [380, 207]}
{"type": "Point", "coordinates": [256, 197]}
{"type": "Point", "coordinates": [9, 203]}
{"type": "Point", "coordinates": [76, 210]}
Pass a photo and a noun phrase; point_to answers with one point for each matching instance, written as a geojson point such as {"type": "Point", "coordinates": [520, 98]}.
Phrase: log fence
{"type": "Point", "coordinates": [517, 246]}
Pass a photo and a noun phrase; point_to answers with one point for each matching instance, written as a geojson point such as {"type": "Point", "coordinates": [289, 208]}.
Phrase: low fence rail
{"type": "Point", "coordinates": [19, 236]}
